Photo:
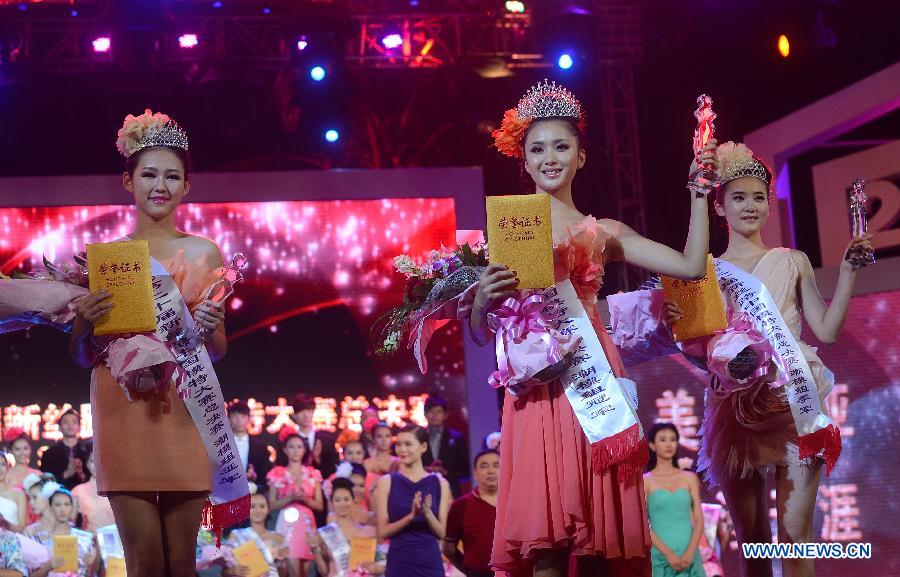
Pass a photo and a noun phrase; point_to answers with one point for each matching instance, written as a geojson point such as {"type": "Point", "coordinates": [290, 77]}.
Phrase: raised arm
{"type": "Point", "coordinates": [826, 321]}
{"type": "Point", "coordinates": [629, 246]}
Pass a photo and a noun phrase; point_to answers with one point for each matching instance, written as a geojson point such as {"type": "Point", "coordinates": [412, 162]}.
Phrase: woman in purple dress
{"type": "Point", "coordinates": [411, 507]}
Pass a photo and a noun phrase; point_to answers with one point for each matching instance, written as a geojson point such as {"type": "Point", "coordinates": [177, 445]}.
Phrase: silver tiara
{"type": "Point", "coordinates": [168, 134]}
{"type": "Point", "coordinates": [747, 167]}
{"type": "Point", "coordinates": [548, 100]}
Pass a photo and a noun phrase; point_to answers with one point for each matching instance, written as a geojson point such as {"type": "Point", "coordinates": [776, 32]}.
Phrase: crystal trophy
{"type": "Point", "coordinates": [703, 178]}
{"type": "Point", "coordinates": [858, 256]}
{"type": "Point", "coordinates": [188, 341]}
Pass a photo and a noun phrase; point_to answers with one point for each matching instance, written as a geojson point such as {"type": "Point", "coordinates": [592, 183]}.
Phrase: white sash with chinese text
{"type": "Point", "coordinates": [338, 547]}
{"type": "Point", "coordinates": [229, 502]}
{"type": "Point", "coordinates": [816, 430]}
{"type": "Point", "coordinates": [605, 405]}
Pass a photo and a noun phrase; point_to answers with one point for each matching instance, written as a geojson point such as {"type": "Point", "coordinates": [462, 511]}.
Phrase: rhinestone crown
{"type": "Point", "coordinates": [548, 100]}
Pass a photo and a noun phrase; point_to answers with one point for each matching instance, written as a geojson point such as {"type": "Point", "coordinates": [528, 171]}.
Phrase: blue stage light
{"type": "Point", "coordinates": [332, 135]}
{"type": "Point", "coordinates": [317, 73]}
{"type": "Point", "coordinates": [565, 61]}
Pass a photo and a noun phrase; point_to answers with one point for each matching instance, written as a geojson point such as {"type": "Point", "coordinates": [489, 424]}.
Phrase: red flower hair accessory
{"type": "Point", "coordinates": [13, 434]}
{"type": "Point", "coordinates": [508, 138]}
{"type": "Point", "coordinates": [286, 433]}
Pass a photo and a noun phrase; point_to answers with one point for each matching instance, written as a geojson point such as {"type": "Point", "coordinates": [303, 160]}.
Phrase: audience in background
{"type": "Point", "coordinates": [62, 505]}
{"type": "Point", "coordinates": [471, 519]}
{"type": "Point", "coordinates": [253, 452]}
{"type": "Point", "coordinates": [18, 445]}
{"type": "Point", "coordinates": [411, 506]}
{"type": "Point", "coordinates": [66, 459]}
{"type": "Point", "coordinates": [381, 461]}
{"type": "Point", "coordinates": [448, 452]}
{"type": "Point", "coordinates": [95, 510]}
{"type": "Point", "coordinates": [272, 545]}
{"type": "Point", "coordinates": [39, 489]}
{"type": "Point", "coordinates": [295, 491]}
{"type": "Point", "coordinates": [13, 505]}
{"type": "Point", "coordinates": [321, 444]}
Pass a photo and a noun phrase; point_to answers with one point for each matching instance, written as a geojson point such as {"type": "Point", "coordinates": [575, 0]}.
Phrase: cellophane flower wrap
{"type": "Point", "coordinates": [433, 285]}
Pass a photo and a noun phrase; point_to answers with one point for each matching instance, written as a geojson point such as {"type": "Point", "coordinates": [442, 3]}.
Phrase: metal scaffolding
{"type": "Point", "coordinates": [620, 49]}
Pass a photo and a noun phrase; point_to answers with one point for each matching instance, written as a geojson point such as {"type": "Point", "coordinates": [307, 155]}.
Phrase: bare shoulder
{"type": "Point", "coordinates": [383, 483]}
{"type": "Point", "coordinates": [444, 483]}
{"type": "Point", "coordinates": [692, 479]}
{"type": "Point", "coordinates": [613, 228]}
{"type": "Point", "coordinates": [802, 261]}
{"type": "Point", "coordinates": [198, 246]}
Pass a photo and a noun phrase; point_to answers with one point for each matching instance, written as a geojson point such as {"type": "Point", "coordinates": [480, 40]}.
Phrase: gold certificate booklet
{"type": "Point", "coordinates": [65, 547]}
{"type": "Point", "coordinates": [362, 550]}
{"type": "Point", "coordinates": [520, 236]}
{"type": "Point", "coordinates": [123, 269]}
{"type": "Point", "coordinates": [248, 555]}
{"type": "Point", "coordinates": [115, 567]}
{"type": "Point", "coordinates": [702, 303]}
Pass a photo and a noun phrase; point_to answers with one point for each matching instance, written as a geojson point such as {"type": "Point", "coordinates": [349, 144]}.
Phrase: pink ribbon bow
{"type": "Point", "coordinates": [528, 340]}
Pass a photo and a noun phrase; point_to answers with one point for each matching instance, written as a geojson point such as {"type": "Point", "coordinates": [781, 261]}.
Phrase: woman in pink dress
{"type": "Point", "coordinates": [94, 508]}
{"type": "Point", "coordinates": [20, 448]}
{"type": "Point", "coordinates": [553, 502]}
{"type": "Point", "coordinates": [295, 490]}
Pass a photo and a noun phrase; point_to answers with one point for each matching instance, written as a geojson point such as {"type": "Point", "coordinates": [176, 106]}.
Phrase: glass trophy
{"type": "Point", "coordinates": [859, 257]}
{"type": "Point", "coordinates": [188, 341]}
{"type": "Point", "coordinates": [703, 178]}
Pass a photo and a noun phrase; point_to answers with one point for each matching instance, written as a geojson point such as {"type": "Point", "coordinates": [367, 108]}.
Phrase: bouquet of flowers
{"type": "Point", "coordinates": [443, 275]}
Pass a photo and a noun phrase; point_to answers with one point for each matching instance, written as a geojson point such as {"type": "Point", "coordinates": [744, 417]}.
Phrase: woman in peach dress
{"type": "Point", "coordinates": [748, 424]}
{"type": "Point", "coordinates": [553, 505]}
{"type": "Point", "coordinates": [150, 458]}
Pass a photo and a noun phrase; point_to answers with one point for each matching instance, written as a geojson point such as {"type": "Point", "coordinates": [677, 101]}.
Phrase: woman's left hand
{"type": "Point", "coordinates": [210, 315]}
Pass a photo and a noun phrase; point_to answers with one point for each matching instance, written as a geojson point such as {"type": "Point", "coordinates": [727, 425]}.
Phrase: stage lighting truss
{"type": "Point", "coordinates": [432, 40]}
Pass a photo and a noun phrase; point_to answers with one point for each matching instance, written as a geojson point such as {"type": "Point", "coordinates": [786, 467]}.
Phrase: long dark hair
{"type": "Point", "coordinates": [651, 438]}
{"type": "Point", "coordinates": [281, 457]}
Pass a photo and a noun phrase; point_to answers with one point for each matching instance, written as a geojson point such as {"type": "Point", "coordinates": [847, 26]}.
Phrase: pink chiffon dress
{"type": "Point", "coordinates": [550, 497]}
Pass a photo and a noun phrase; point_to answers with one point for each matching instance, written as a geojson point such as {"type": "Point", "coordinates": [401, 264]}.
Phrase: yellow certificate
{"type": "Point", "coordinates": [115, 567]}
{"type": "Point", "coordinates": [362, 550]}
{"type": "Point", "coordinates": [249, 555]}
{"type": "Point", "coordinates": [123, 269]}
{"type": "Point", "coordinates": [702, 303]}
{"type": "Point", "coordinates": [65, 548]}
{"type": "Point", "coordinates": [520, 236]}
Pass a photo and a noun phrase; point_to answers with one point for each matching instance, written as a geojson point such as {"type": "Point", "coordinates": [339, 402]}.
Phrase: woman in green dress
{"type": "Point", "coordinates": [673, 505]}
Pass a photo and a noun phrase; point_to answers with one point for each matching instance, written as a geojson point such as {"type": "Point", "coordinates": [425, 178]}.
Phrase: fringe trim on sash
{"type": "Point", "coordinates": [826, 440]}
{"type": "Point", "coordinates": [627, 449]}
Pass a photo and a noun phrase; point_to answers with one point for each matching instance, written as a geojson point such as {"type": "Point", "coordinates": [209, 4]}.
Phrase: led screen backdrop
{"type": "Point", "coordinates": [321, 272]}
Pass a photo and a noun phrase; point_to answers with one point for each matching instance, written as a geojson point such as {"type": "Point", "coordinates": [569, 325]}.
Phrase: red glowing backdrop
{"type": "Point", "coordinates": [321, 272]}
